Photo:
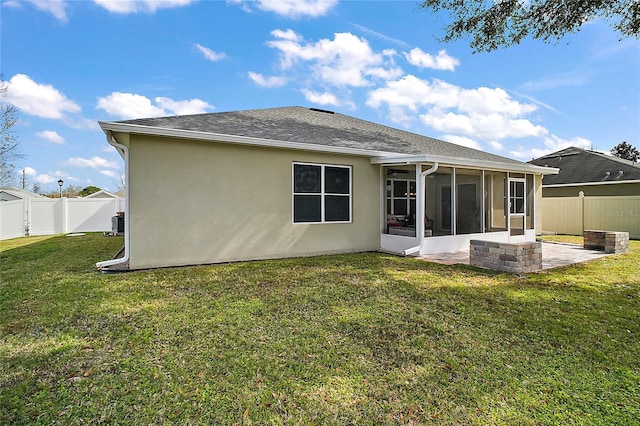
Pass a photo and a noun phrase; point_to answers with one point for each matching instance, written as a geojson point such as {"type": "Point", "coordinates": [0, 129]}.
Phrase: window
{"type": "Point", "coordinates": [401, 197]}
{"type": "Point", "coordinates": [516, 197]}
{"type": "Point", "coordinates": [321, 193]}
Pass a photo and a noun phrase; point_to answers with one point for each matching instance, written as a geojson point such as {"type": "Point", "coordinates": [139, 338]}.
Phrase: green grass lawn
{"type": "Point", "coordinates": [566, 239]}
{"type": "Point", "coordinates": [354, 339]}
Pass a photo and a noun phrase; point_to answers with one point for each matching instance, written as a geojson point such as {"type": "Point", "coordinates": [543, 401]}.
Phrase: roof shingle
{"type": "Point", "coordinates": [318, 127]}
{"type": "Point", "coordinates": [583, 166]}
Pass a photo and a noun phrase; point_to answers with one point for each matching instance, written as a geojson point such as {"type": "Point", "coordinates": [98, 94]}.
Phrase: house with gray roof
{"type": "Point", "coordinates": [294, 181]}
{"type": "Point", "coordinates": [590, 172]}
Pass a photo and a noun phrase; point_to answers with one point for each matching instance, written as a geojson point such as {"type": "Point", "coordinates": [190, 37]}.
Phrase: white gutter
{"type": "Point", "coordinates": [464, 162]}
{"type": "Point", "coordinates": [104, 266]}
{"type": "Point", "coordinates": [608, 182]}
{"type": "Point", "coordinates": [420, 209]}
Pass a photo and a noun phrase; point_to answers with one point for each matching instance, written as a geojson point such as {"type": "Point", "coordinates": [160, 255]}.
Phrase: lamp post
{"type": "Point", "coordinates": [60, 182]}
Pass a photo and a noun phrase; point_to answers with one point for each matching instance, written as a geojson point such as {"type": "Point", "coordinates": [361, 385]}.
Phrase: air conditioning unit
{"type": "Point", "coordinates": [117, 224]}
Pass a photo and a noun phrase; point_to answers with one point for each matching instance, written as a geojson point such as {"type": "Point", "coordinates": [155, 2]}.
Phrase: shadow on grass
{"type": "Point", "coordinates": [365, 338]}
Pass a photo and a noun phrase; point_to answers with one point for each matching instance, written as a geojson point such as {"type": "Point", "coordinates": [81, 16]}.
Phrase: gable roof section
{"type": "Point", "coordinates": [314, 129]}
{"type": "Point", "coordinates": [102, 194]}
{"type": "Point", "coordinates": [18, 193]}
{"type": "Point", "coordinates": [581, 166]}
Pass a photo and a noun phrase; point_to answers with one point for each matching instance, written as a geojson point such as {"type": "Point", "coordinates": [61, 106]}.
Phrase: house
{"type": "Point", "coordinates": [590, 172]}
{"type": "Point", "coordinates": [592, 191]}
{"type": "Point", "coordinates": [104, 194]}
{"type": "Point", "coordinates": [10, 193]}
{"type": "Point", "coordinates": [294, 181]}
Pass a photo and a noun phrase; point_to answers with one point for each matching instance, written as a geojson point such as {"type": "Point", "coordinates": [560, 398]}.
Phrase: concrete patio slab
{"type": "Point", "coordinates": [554, 255]}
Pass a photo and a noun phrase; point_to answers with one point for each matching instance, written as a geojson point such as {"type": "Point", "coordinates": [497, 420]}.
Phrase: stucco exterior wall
{"type": "Point", "coordinates": [538, 218]}
{"type": "Point", "coordinates": [198, 202]}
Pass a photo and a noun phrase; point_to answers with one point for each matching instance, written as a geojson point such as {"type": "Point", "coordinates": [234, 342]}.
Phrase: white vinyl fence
{"type": "Point", "coordinates": [46, 216]}
{"type": "Point", "coordinates": [572, 215]}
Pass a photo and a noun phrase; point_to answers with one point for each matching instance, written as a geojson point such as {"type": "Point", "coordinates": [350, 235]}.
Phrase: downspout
{"type": "Point", "coordinates": [104, 266]}
{"type": "Point", "coordinates": [420, 210]}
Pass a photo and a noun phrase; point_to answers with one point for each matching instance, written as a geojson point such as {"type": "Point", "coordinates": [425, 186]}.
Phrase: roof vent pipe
{"type": "Point", "coordinates": [326, 111]}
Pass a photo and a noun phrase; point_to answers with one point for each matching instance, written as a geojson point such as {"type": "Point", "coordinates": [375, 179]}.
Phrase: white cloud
{"type": "Point", "coordinates": [263, 81]}
{"type": "Point", "coordinates": [347, 60]}
{"type": "Point", "coordinates": [131, 105]}
{"type": "Point", "coordinates": [94, 162]}
{"type": "Point", "coordinates": [497, 146]}
{"type": "Point", "coordinates": [411, 92]}
{"type": "Point", "coordinates": [551, 144]}
{"type": "Point", "coordinates": [424, 60]}
{"type": "Point", "coordinates": [375, 34]}
{"type": "Point", "coordinates": [484, 100]}
{"type": "Point", "coordinates": [51, 177]}
{"type": "Point", "coordinates": [289, 8]}
{"type": "Point", "coordinates": [51, 136]}
{"type": "Point", "coordinates": [110, 173]}
{"type": "Point", "coordinates": [186, 107]}
{"type": "Point", "coordinates": [58, 8]}
{"type": "Point", "coordinates": [484, 126]}
{"type": "Point", "coordinates": [41, 100]}
{"type": "Point", "coordinates": [136, 6]}
{"type": "Point", "coordinates": [325, 98]}
{"type": "Point", "coordinates": [209, 54]}
{"type": "Point", "coordinates": [462, 140]}
{"type": "Point", "coordinates": [30, 171]}
{"type": "Point", "coordinates": [481, 113]}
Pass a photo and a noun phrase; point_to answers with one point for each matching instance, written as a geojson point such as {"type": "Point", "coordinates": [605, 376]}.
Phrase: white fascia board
{"type": "Point", "coordinates": [235, 139]}
{"type": "Point", "coordinates": [563, 185]}
{"type": "Point", "coordinates": [465, 162]}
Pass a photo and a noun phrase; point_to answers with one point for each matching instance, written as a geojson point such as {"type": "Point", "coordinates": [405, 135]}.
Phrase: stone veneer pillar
{"type": "Point", "coordinates": [607, 241]}
{"type": "Point", "coordinates": [515, 258]}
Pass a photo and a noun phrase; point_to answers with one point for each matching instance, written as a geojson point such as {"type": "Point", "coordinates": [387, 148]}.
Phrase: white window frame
{"type": "Point", "coordinates": [407, 197]}
{"type": "Point", "coordinates": [514, 197]}
{"type": "Point", "coordinates": [322, 194]}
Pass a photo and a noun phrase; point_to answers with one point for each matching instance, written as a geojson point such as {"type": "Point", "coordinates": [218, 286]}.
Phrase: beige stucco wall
{"type": "Point", "coordinates": [197, 202]}
{"type": "Point", "coordinates": [538, 218]}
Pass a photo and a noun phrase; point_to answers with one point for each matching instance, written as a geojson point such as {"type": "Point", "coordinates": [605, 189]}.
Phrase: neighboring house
{"type": "Point", "coordinates": [593, 173]}
{"type": "Point", "coordinates": [295, 181]}
{"type": "Point", "coordinates": [10, 193]}
{"type": "Point", "coordinates": [103, 194]}
{"type": "Point", "coordinates": [592, 191]}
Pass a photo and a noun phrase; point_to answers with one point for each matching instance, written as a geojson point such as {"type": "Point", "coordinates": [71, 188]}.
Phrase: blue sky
{"type": "Point", "coordinates": [68, 64]}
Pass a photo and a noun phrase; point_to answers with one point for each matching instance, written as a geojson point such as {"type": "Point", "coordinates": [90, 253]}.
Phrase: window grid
{"type": "Point", "coordinates": [406, 196]}
{"type": "Point", "coordinates": [322, 194]}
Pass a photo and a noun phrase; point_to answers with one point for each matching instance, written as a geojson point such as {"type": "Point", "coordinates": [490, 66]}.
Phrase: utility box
{"type": "Point", "coordinates": [117, 224]}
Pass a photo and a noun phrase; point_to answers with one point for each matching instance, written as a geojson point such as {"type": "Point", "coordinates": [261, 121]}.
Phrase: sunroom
{"type": "Point", "coordinates": [439, 207]}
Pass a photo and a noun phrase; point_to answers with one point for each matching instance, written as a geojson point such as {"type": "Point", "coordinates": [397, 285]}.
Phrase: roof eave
{"type": "Point", "coordinates": [563, 185]}
{"type": "Point", "coordinates": [468, 162]}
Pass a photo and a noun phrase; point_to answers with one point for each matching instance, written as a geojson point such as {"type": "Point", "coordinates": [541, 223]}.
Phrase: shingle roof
{"type": "Point", "coordinates": [582, 166]}
{"type": "Point", "coordinates": [318, 127]}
